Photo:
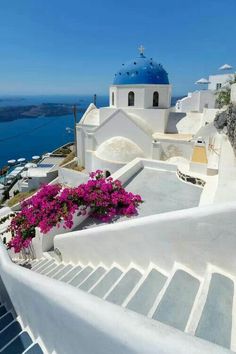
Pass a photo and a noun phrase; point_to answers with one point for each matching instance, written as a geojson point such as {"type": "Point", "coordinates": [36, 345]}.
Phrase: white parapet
{"type": "Point", "coordinates": [191, 237]}
{"type": "Point", "coordinates": [66, 320]}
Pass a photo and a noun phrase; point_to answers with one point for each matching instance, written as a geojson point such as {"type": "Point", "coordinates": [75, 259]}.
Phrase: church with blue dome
{"type": "Point", "coordinates": [141, 83]}
{"type": "Point", "coordinates": [139, 107]}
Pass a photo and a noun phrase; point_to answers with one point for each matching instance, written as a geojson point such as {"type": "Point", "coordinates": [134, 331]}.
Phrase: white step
{"type": "Point", "coordinates": [146, 294]}
{"type": "Point", "coordinates": [67, 278]}
{"type": "Point", "coordinates": [63, 271]}
{"type": "Point", "coordinates": [92, 279]}
{"type": "Point", "coordinates": [110, 278]}
{"type": "Point", "coordinates": [81, 276]}
{"type": "Point", "coordinates": [120, 292]}
{"type": "Point", "coordinates": [176, 304]}
{"type": "Point", "coordinates": [215, 324]}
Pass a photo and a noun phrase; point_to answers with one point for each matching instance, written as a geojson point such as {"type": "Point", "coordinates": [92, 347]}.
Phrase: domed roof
{"type": "Point", "coordinates": [119, 149]}
{"type": "Point", "coordinates": [141, 70]}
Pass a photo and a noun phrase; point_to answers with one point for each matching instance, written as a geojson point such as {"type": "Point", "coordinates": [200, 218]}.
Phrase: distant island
{"type": "Point", "coordinates": [10, 113]}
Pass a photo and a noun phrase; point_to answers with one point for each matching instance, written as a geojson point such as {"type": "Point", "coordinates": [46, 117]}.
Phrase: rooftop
{"type": "Point", "coordinates": [141, 70]}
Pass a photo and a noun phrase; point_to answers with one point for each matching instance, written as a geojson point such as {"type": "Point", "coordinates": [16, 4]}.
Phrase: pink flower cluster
{"type": "Point", "coordinates": [54, 205]}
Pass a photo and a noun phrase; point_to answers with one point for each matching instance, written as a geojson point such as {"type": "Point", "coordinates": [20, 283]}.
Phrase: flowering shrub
{"type": "Point", "coordinates": [54, 205]}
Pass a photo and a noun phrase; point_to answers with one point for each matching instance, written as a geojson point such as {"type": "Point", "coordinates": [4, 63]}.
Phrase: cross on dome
{"type": "Point", "coordinates": [141, 49]}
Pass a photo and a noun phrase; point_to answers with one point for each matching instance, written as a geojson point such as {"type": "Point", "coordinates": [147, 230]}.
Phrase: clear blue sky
{"type": "Point", "coordinates": [75, 46]}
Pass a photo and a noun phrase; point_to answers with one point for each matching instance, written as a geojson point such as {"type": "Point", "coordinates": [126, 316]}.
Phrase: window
{"type": "Point", "coordinates": [131, 98]}
{"type": "Point", "coordinates": [155, 99]}
{"type": "Point", "coordinates": [112, 99]}
{"type": "Point", "coordinates": [218, 86]}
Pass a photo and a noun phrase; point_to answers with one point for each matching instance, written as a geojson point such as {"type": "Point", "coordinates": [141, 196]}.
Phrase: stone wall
{"type": "Point", "coordinates": [191, 179]}
{"type": "Point", "coordinates": [227, 120]}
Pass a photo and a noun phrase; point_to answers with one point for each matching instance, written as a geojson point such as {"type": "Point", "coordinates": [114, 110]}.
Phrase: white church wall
{"type": "Point", "coordinates": [80, 145]}
{"type": "Point", "coordinates": [143, 95]}
{"type": "Point", "coordinates": [121, 96]}
{"type": "Point", "coordinates": [120, 125]}
{"type": "Point", "coordinates": [111, 166]}
{"type": "Point", "coordinates": [156, 118]}
{"type": "Point", "coordinates": [106, 112]}
{"type": "Point", "coordinates": [164, 92]}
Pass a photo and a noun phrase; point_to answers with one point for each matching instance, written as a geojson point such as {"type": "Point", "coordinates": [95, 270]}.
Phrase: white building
{"type": "Point", "coordinates": [198, 100]}
{"type": "Point", "coordinates": [140, 99]}
{"type": "Point", "coordinates": [216, 82]}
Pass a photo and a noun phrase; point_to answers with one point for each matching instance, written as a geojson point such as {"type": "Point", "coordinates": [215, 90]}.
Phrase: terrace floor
{"type": "Point", "coordinates": [162, 191]}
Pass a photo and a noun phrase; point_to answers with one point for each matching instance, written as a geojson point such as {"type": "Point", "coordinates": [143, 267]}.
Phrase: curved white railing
{"type": "Point", "coordinates": [68, 321]}
{"type": "Point", "coordinates": [193, 237]}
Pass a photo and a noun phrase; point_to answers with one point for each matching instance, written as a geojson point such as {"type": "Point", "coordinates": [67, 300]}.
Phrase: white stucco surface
{"type": "Point", "coordinates": [222, 79]}
{"type": "Point", "coordinates": [196, 101]}
{"type": "Point", "coordinates": [195, 238]}
{"type": "Point", "coordinates": [119, 149]}
{"type": "Point", "coordinates": [143, 95]}
{"type": "Point", "coordinates": [233, 93]}
{"type": "Point", "coordinates": [67, 320]}
{"type": "Point", "coordinates": [91, 116]}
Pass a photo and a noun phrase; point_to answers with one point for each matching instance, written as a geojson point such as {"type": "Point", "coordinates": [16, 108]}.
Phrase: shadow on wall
{"type": "Point", "coordinates": [171, 150]}
{"type": "Point", "coordinates": [173, 120]}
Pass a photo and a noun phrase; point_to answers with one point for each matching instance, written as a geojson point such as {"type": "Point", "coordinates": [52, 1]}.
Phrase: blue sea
{"type": "Point", "coordinates": [36, 136]}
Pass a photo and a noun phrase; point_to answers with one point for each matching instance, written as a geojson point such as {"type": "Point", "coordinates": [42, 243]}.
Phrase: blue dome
{"type": "Point", "coordinates": [141, 71]}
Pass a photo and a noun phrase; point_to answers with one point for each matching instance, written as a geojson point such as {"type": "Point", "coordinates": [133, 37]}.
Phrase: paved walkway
{"type": "Point", "coordinates": [162, 191]}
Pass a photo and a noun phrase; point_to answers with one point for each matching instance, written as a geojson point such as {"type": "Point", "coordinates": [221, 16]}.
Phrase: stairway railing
{"type": "Point", "coordinates": [193, 237]}
{"type": "Point", "coordinates": [68, 321]}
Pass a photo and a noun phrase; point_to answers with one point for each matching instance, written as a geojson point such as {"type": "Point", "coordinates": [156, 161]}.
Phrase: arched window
{"type": "Point", "coordinates": [131, 98]}
{"type": "Point", "coordinates": [155, 99]}
{"type": "Point", "coordinates": [112, 99]}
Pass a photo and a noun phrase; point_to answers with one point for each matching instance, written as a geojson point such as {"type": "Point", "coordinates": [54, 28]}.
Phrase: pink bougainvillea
{"type": "Point", "coordinates": [54, 205]}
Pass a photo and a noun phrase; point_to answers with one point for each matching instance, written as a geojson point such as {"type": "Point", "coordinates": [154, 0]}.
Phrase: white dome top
{"type": "Point", "coordinates": [119, 149]}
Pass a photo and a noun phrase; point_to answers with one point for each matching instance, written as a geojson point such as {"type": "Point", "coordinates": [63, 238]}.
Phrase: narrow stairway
{"type": "Point", "coordinates": [200, 307]}
{"type": "Point", "coordinates": [13, 339]}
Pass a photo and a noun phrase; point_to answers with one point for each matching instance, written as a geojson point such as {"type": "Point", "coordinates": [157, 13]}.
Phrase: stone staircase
{"type": "Point", "coordinates": [13, 339]}
{"type": "Point", "coordinates": [198, 306]}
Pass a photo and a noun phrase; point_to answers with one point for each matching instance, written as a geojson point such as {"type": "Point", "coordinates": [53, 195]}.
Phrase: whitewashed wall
{"type": "Point", "coordinates": [121, 125]}
{"type": "Point", "coordinates": [70, 177]}
{"type": "Point", "coordinates": [194, 237]}
{"type": "Point", "coordinates": [196, 101]}
{"type": "Point", "coordinates": [233, 93]}
{"type": "Point", "coordinates": [66, 320]}
{"type": "Point", "coordinates": [37, 182]}
{"type": "Point", "coordinates": [143, 95]}
{"type": "Point", "coordinates": [219, 79]}
{"type": "Point", "coordinates": [93, 163]}
{"type": "Point", "coordinates": [171, 148]}
{"type": "Point", "coordinates": [44, 242]}
{"type": "Point", "coordinates": [156, 118]}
